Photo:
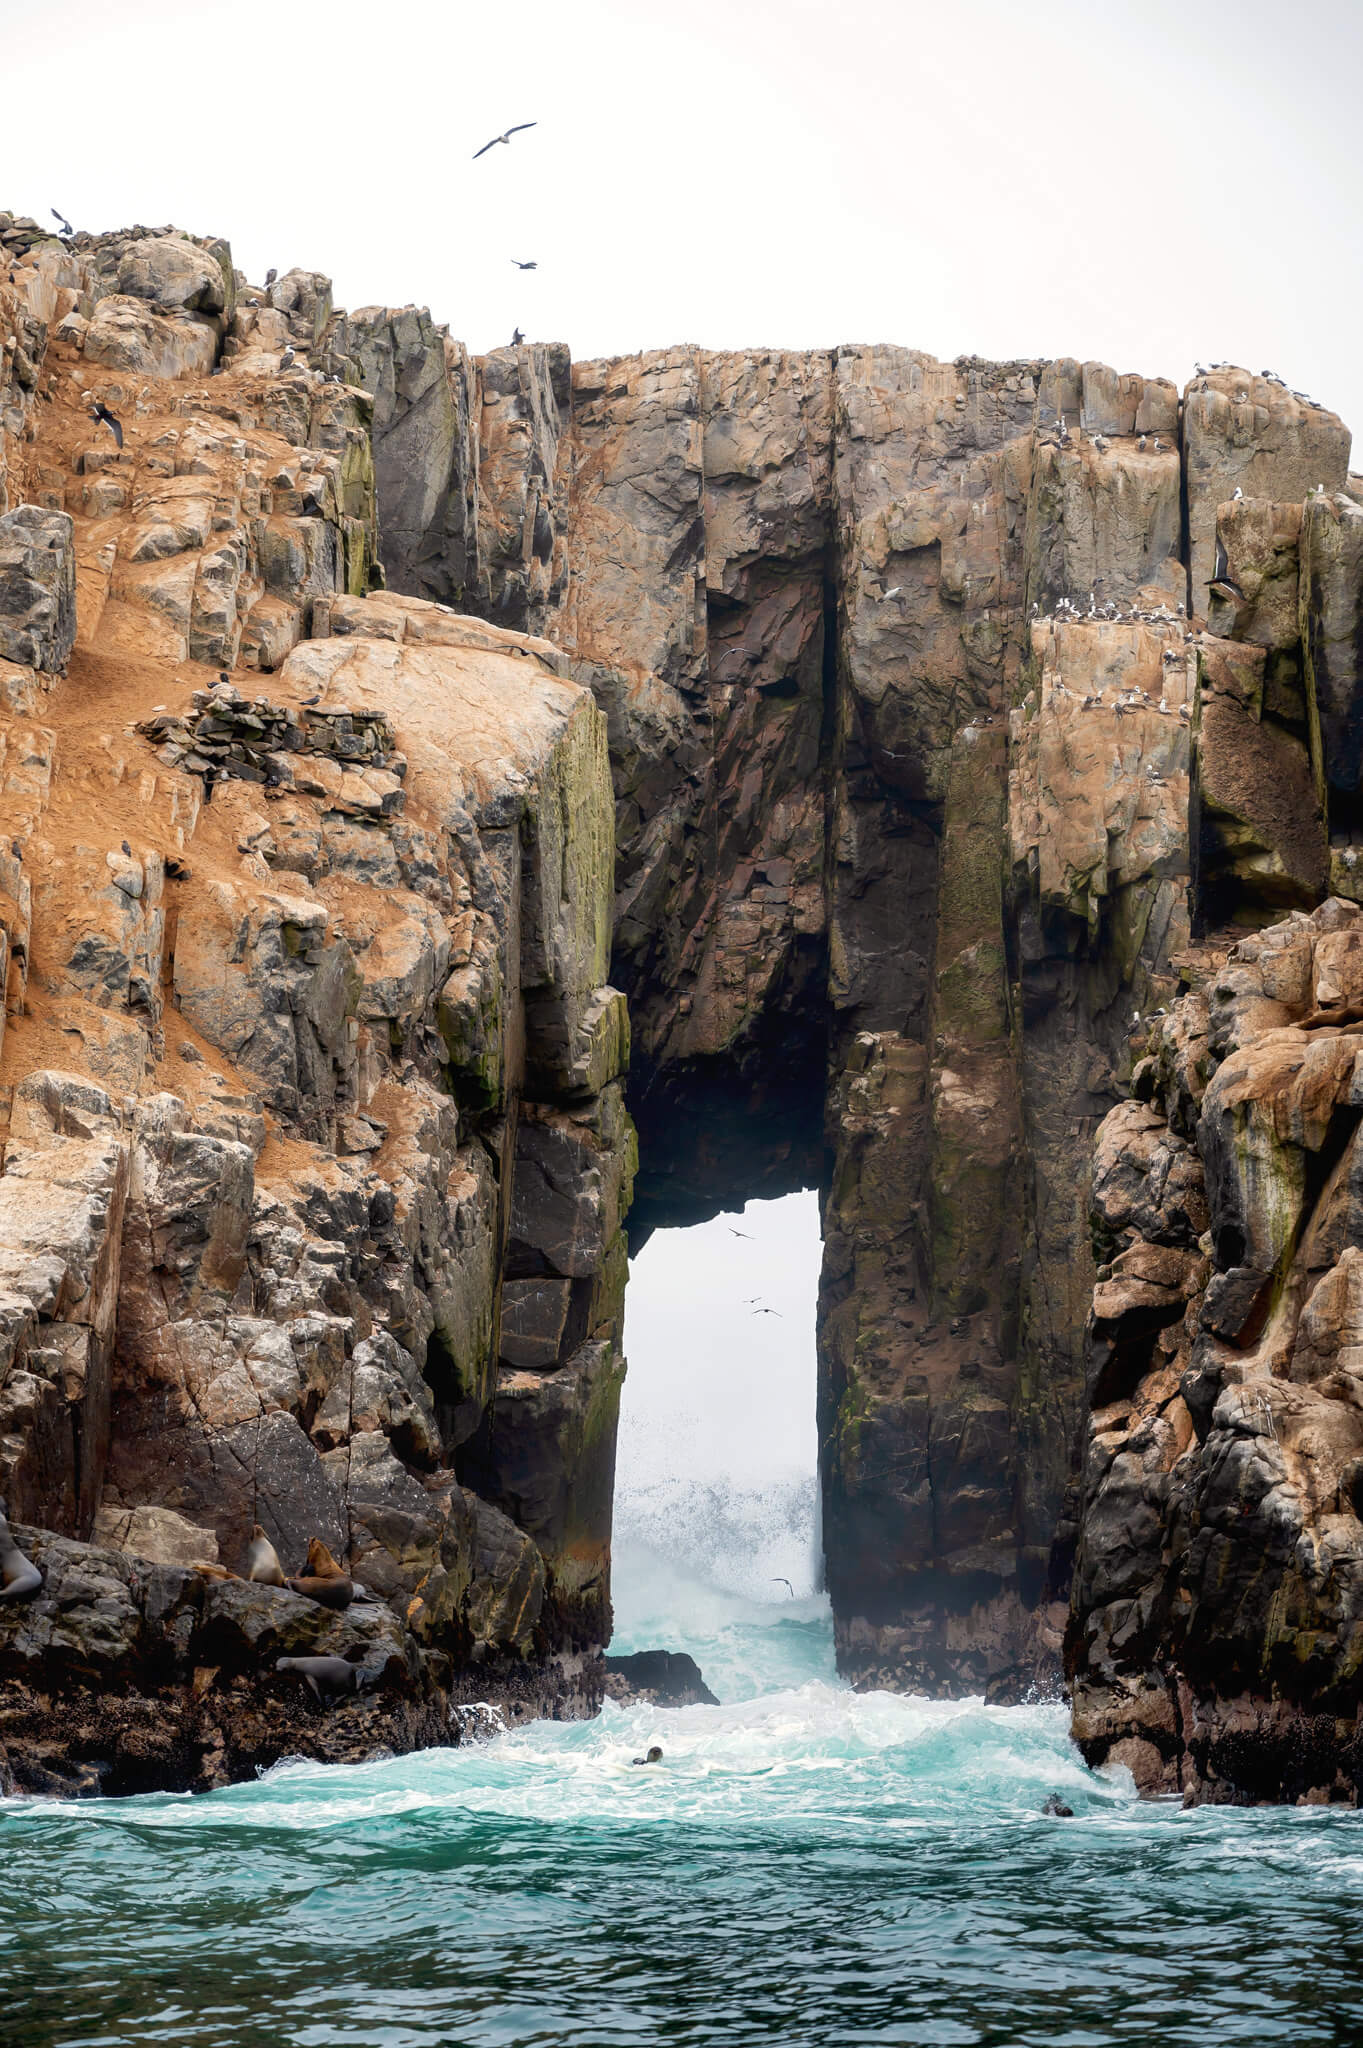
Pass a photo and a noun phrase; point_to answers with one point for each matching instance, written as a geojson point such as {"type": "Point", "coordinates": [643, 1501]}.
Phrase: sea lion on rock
{"type": "Point", "coordinates": [262, 1560]}
{"type": "Point", "coordinates": [327, 1674]}
{"type": "Point", "coordinates": [324, 1581]}
{"type": "Point", "coordinates": [20, 1578]}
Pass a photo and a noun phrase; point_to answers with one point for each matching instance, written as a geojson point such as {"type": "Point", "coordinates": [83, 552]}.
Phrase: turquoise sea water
{"type": "Point", "coordinates": [806, 1867]}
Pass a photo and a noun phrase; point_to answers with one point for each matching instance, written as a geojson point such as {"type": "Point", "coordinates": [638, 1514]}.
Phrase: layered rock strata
{"type": "Point", "coordinates": [926, 714]}
{"type": "Point", "coordinates": [315, 1155]}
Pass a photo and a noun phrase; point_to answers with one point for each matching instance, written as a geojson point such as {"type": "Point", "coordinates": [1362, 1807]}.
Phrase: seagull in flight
{"type": "Point", "coordinates": [66, 226]}
{"type": "Point", "coordinates": [739, 1233]}
{"type": "Point", "coordinates": [524, 266]}
{"type": "Point", "coordinates": [503, 138]}
{"type": "Point", "coordinates": [786, 1583]}
{"type": "Point", "coordinates": [768, 1312]}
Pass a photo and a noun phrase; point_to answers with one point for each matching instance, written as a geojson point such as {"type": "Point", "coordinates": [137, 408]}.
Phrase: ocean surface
{"type": "Point", "coordinates": [806, 1866]}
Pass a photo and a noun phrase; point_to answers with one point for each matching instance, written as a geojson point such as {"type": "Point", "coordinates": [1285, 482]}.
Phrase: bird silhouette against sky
{"type": "Point", "coordinates": [503, 138]}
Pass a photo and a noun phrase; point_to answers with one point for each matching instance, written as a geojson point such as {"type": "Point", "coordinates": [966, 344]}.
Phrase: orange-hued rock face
{"type": "Point", "coordinates": [306, 903]}
{"type": "Point", "coordinates": [857, 748]}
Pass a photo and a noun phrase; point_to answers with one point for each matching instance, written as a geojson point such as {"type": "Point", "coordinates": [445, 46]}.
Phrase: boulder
{"type": "Point", "coordinates": [37, 588]}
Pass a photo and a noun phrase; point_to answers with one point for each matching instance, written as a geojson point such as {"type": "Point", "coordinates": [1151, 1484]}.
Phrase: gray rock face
{"type": "Point", "coordinates": [1212, 1645]}
{"type": "Point", "coordinates": [425, 449]}
{"type": "Point", "coordinates": [37, 588]}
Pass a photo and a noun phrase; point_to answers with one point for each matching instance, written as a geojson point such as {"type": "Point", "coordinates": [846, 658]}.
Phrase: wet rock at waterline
{"type": "Point", "coordinates": [664, 1678]}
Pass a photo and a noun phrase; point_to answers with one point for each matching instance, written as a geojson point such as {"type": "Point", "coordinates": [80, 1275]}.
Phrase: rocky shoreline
{"type": "Point", "coordinates": [461, 814]}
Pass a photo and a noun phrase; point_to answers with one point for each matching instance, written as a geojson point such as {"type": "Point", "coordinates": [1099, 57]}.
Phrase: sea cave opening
{"type": "Point", "coordinates": [717, 1516]}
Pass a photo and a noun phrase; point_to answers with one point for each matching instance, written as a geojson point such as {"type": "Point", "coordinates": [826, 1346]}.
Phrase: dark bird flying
{"type": "Point", "coordinates": [102, 413]}
{"type": "Point", "coordinates": [516, 337]}
{"type": "Point", "coordinates": [524, 266]}
{"type": "Point", "coordinates": [66, 226]}
{"type": "Point", "coordinates": [503, 138]}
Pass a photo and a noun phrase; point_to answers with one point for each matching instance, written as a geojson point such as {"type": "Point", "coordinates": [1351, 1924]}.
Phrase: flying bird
{"type": "Point", "coordinates": [66, 226]}
{"type": "Point", "coordinates": [740, 1233]}
{"type": "Point", "coordinates": [786, 1583]}
{"type": "Point", "coordinates": [503, 138]}
{"type": "Point", "coordinates": [103, 414]}
{"type": "Point", "coordinates": [769, 1312]}
{"type": "Point", "coordinates": [516, 337]}
{"type": "Point", "coordinates": [524, 266]}
{"type": "Point", "coordinates": [1221, 579]}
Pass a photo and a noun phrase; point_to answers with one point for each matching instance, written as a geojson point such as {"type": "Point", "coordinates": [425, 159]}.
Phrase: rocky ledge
{"type": "Point", "coordinates": [1216, 1638]}
{"type": "Point", "coordinates": [122, 1676]}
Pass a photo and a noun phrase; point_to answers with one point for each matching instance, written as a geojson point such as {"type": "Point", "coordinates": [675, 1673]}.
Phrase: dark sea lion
{"type": "Point", "coordinates": [655, 1756]}
{"type": "Point", "coordinates": [262, 1560]}
{"type": "Point", "coordinates": [20, 1578]}
{"type": "Point", "coordinates": [334, 1593]}
{"type": "Point", "coordinates": [327, 1674]}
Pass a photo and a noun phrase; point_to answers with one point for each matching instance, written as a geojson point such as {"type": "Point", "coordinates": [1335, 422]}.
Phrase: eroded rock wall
{"type": "Point", "coordinates": [316, 1158]}
{"type": "Point", "coordinates": [872, 741]}
{"type": "Point", "coordinates": [924, 771]}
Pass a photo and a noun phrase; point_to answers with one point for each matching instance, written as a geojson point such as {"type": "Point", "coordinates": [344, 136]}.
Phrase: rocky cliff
{"type": "Point", "coordinates": [876, 741]}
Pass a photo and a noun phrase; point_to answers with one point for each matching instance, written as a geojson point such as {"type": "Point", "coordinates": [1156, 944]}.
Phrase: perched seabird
{"type": "Point", "coordinates": [524, 266]}
{"type": "Point", "coordinates": [1157, 444]}
{"type": "Point", "coordinates": [503, 138]}
{"type": "Point", "coordinates": [892, 593]}
{"type": "Point", "coordinates": [1199, 369]}
{"type": "Point", "coordinates": [101, 412]}
{"type": "Point", "coordinates": [1141, 444]}
{"type": "Point", "coordinates": [127, 849]}
{"type": "Point", "coordinates": [1236, 495]}
{"type": "Point", "coordinates": [270, 276]}
{"type": "Point", "coordinates": [66, 226]}
{"type": "Point", "coordinates": [516, 337]}
{"type": "Point", "coordinates": [287, 359]}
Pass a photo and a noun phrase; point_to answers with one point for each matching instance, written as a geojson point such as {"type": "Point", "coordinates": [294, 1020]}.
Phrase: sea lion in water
{"type": "Point", "coordinates": [655, 1756]}
{"type": "Point", "coordinates": [262, 1560]}
{"type": "Point", "coordinates": [324, 1581]}
{"type": "Point", "coordinates": [1055, 1806]}
{"type": "Point", "coordinates": [327, 1674]}
{"type": "Point", "coordinates": [20, 1578]}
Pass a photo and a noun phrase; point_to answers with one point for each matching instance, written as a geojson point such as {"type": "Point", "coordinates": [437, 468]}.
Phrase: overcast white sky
{"type": "Point", "coordinates": [1144, 183]}
{"type": "Point", "coordinates": [715, 1389]}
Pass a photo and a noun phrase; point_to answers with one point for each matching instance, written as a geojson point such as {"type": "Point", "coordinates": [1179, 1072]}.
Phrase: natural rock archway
{"type": "Point", "coordinates": [914, 755]}
{"type": "Point", "coordinates": [849, 745]}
